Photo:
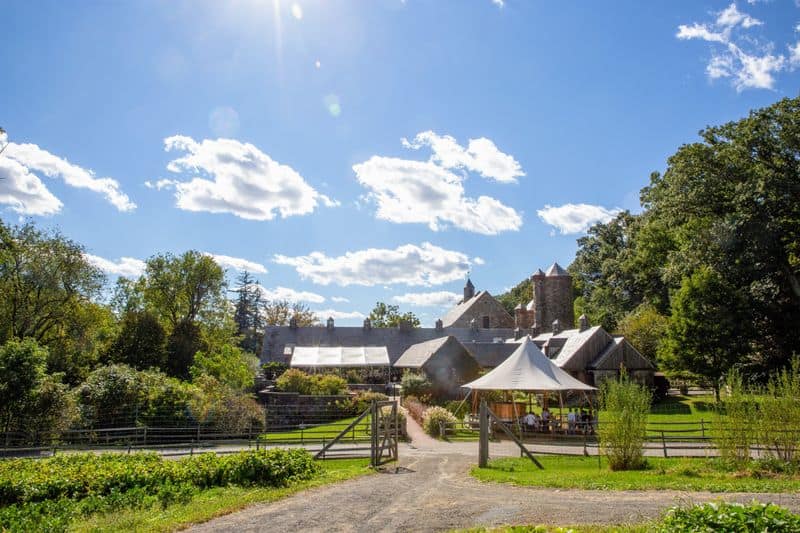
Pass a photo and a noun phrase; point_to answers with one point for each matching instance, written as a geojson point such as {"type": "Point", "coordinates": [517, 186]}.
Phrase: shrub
{"type": "Point", "coordinates": [364, 399]}
{"type": "Point", "coordinates": [415, 384]}
{"type": "Point", "coordinates": [328, 385]}
{"type": "Point", "coordinates": [415, 408]}
{"type": "Point", "coordinates": [623, 433]}
{"type": "Point", "coordinates": [459, 408]}
{"type": "Point", "coordinates": [434, 418]}
{"type": "Point", "coordinates": [779, 419]}
{"type": "Point", "coordinates": [735, 422]}
{"type": "Point", "coordinates": [225, 408]}
{"type": "Point", "coordinates": [722, 516]}
{"type": "Point", "coordinates": [294, 380]}
{"type": "Point", "coordinates": [78, 475]}
{"type": "Point", "coordinates": [274, 369]}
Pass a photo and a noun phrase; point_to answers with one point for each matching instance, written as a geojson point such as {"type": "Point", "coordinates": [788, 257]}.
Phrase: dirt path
{"type": "Point", "coordinates": [432, 491]}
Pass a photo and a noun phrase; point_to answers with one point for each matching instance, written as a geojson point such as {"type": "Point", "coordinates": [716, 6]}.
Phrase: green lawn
{"type": "Point", "coordinates": [319, 432]}
{"type": "Point", "coordinates": [215, 502]}
{"type": "Point", "coordinates": [678, 474]}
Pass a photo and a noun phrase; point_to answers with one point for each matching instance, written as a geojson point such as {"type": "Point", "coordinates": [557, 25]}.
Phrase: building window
{"type": "Point", "coordinates": [486, 322]}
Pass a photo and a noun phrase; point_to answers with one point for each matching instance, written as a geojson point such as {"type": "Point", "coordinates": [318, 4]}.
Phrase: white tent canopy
{"type": "Point", "coordinates": [339, 356]}
{"type": "Point", "coordinates": [528, 369]}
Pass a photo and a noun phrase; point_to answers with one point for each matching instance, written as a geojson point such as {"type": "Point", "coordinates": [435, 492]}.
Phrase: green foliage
{"type": "Point", "coordinates": [459, 408]}
{"type": "Point", "coordinates": [22, 365]}
{"type": "Point", "coordinates": [415, 384]}
{"type": "Point", "coordinates": [248, 316]}
{"type": "Point", "coordinates": [230, 365]}
{"type": "Point", "coordinates": [388, 316]}
{"type": "Point", "coordinates": [182, 345]}
{"type": "Point", "coordinates": [281, 312]}
{"type": "Point", "coordinates": [364, 399]}
{"type": "Point", "coordinates": [735, 422]}
{"type": "Point", "coordinates": [273, 369]}
{"type": "Point", "coordinates": [645, 328]}
{"type": "Point", "coordinates": [108, 392]}
{"type": "Point", "coordinates": [140, 343]}
{"type": "Point", "coordinates": [521, 293]}
{"type": "Point", "coordinates": [434, 419]}
{"type": "Point", "coordinates": [49, 410]}
{"type": "Point", "coordinates": [733, 517]}
{"type": "Point", "coordinates": [224, 408]}
{"type": "Point", "coordinates": [706, 328]}
{"type": "Point", "coordinates": [623, 431]}
{"type": "Point", "coordinates": [779, 418]}
{"type": "Point", "coordinates": [47, 494]}
{"type": "Point", "coordinates": [294, 380]}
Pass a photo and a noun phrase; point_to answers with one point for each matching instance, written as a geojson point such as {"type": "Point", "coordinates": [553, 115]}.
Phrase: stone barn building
{"type": "Point", "coordinates": [482, 326]}
{"type": "Point", "coordinates": [446, 363]}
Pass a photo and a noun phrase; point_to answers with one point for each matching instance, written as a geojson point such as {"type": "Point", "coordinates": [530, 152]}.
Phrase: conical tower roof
{"type": "Point", "coordinates": [556, 270]}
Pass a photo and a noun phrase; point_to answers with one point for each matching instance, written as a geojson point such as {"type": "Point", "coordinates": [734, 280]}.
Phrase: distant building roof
{"type": "Point", "coordinates": [418, 354]}
{"type": "Point", "coordinates": [556, 270]}
{"type": "Point", "coordinates": [339, 356]}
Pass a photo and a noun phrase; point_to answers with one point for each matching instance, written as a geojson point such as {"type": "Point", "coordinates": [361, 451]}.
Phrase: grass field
{"type": "Point", "coordinates": [320, 432]}
{"type": "Point", "coordinates": [677, 474]}
{"type": "Point", "coordinates": [214, 502]}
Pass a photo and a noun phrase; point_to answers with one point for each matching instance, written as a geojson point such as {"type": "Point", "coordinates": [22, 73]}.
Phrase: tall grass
{"type": "Point", "coordinates": [623, 433]}
{"type": "Point", "coordinates": [779, 420]}
{"type": "Point", "coordinates": [735, 421]}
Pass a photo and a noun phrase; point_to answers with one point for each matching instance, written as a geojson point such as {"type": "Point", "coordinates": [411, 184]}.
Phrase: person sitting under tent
{"type": "Point", "coordinates": [531, 421]}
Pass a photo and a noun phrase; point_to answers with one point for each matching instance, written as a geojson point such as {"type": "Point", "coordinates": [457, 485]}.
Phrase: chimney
{"type": "Point", "coordinates": [439, 325]}
{"type": "Point", "coordinates": [367, 324]}
{"type": "Point", "coordinates": [330, 323]}
{"type": "Point", "coordinates": [293, 322]}
{"type": "Point", "coordinates": [556, 327]}
{"type": "Point", "coordinates": [583, 323]}
{"type": "Point", "coordinates": [517, 334]}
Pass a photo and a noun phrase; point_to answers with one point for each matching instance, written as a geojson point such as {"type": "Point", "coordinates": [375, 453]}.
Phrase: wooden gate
{"type": "Point", "coordinates": [384, 432]}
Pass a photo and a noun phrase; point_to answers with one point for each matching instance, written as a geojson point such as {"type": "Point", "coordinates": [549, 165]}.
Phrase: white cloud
{"type": "Point", "coordinates": [245, 182]}
{"type": "Point", "coordinates": [160, 184]}
{"type": "Point", "coordinates": [128, 267]}
{"type": "Point", "coordinates": [481, 156]}
{"type": "Point", "coordinates": [575, 218]}
{"type": "Point", "coordinates": [794, 54]}
{"type": "Point", "coordinates": [428, 299]}
{"type": "Point", "coordinates": [285, 293]}
{"type": "Point", "coordinates": [30, 196]}
{"type": "Point", "coordinates": [478, 261]}
{"type": "Point", "coordinates": [324, 314]}
{"type": "Point", "coordinates": [24, 192]}
{"type": "Point", "coordinates": [409, 264]}
{"type": "Point", "coordinates": [237, 263]}
{"type": "Point", "coordinates": [339, 299]}
{"type": "Point", "coordinates": [499, 3]}
{"type": "Point", "coordinates": [408, 191]}
{"type": "Point", "coordinates": [754, 68]}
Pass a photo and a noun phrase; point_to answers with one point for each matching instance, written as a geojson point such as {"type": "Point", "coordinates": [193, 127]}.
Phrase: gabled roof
{"type": "Point", "coordinates": [621, 352]}
{"type": "Point", "coordinates": [556, 270]}
{"type": "Point", "coordinates": [418, 354]}
{"type": "Point", "coordinates": [461, 309]}
{"type": "Point", "coordinates": [527, 369]}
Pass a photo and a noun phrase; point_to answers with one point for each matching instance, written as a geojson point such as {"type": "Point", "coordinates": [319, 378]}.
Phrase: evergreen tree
{"type": "Point", "coordinates": [248, 317]}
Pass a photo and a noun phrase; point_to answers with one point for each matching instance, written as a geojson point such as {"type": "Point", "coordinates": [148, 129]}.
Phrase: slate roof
{"type": "Point", "coordinates": [418, 354]}
{"type": "Point", "coordinates": [279, 341]}
{"type": "Point", "coordinates": [460, 310]}
{"type": "Point", "coordinates": [556, 270]}
{"type": "Point", "coordinates": [491, 354]}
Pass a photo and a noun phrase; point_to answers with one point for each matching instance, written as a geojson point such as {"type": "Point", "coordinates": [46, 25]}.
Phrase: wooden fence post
{"type": "Point", "coordinates": [664, 443]}
{"type": "Point", "coordinates": [483, 445]}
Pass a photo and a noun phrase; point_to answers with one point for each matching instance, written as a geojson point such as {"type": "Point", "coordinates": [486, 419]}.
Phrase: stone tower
{"type": "Point", "coordinates": [552, 300]}
{"type": "Point", "coordinates": [469, 290]}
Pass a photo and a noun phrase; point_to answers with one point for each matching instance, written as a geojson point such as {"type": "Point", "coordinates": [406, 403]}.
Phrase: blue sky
{"type": "Point", "coordinates": [350, 152]}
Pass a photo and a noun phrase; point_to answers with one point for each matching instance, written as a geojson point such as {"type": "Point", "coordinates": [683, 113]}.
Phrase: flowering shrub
{"type": "Point", "coordinates": [415, 408]}
{"type": "Point", "coordinates": [434, 418]}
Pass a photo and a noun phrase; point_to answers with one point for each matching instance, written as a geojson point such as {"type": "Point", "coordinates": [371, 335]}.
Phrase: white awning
{"type": "Point", "coordinates": [339, 356]}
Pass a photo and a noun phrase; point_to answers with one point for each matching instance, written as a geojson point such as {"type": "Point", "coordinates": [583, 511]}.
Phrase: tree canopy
{"type": "Point", "coordinates": [389, 316]}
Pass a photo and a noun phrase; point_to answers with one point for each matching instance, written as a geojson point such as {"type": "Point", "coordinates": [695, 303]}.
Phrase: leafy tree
{"type": "Point", "coordinates": [522, 293]}
{"type": "Point", "coordinates": [707, 332]}
{"type": "Point", "coordinates": [48, 411]}
{"type": "Point", "coordinates": [230, 366]}
{"type": "Point", "coordinates": [44, 277]}
{"type": "Point", "coordinates": [22, 366]}
{"type": "Point", "coordinates": [248, 313]}
{"type": "Point", "coordinates": [645, 328]}
{"type": "Point", "coordinates": [280, 312]}
{"type": "Point", "coordinates": [182, 345]}
{"type": "Point", "coordinates": [111, 395]}
{"type": "Point", "coordinates": [183, 289]}
{"type": "Point", "coordinates": [388, 316]}
{"type": "Point", "coordinates": [141, 342]}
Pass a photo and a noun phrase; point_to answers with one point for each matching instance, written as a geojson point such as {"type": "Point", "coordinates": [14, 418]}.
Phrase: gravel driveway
{"type": "Point", "coordinates": [433, 491]}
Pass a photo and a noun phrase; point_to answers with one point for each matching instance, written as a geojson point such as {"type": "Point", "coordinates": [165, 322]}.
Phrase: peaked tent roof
{"type": "Point", "coordinates": [528, 369]}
